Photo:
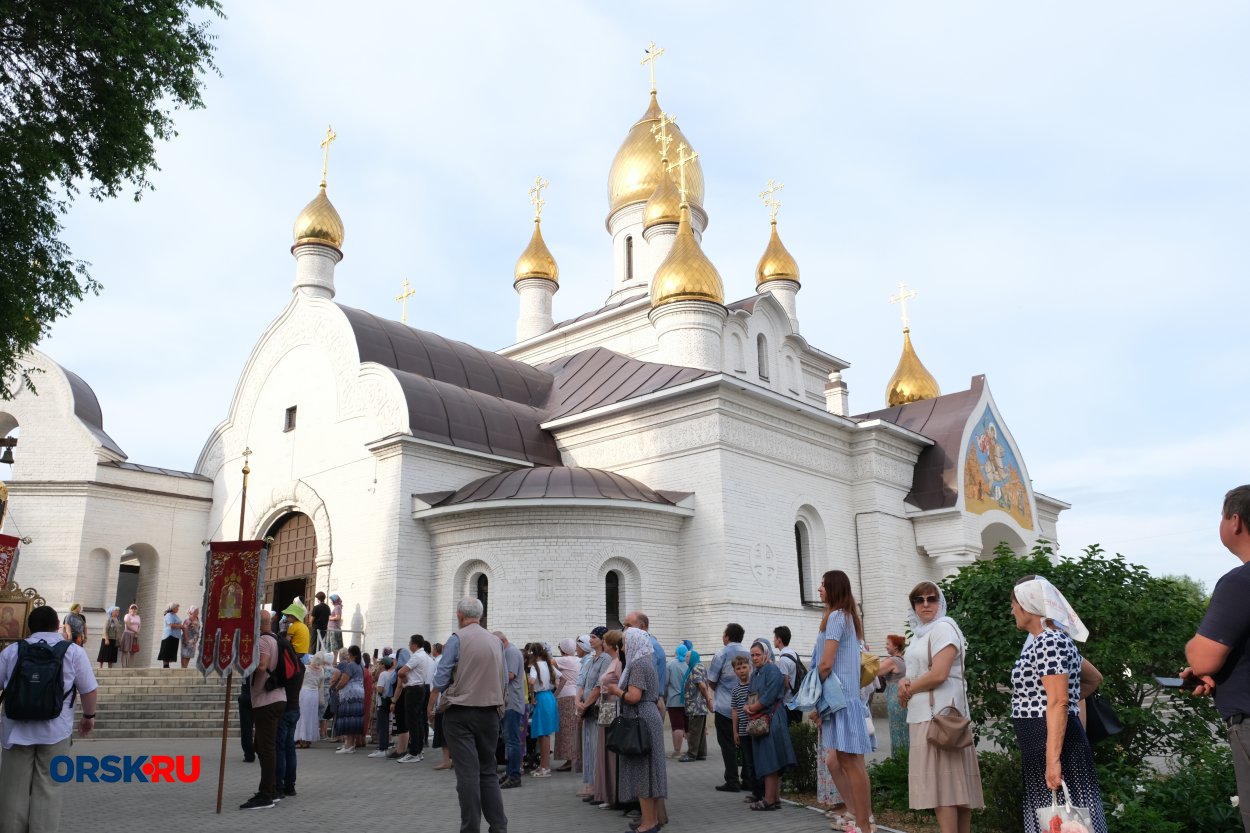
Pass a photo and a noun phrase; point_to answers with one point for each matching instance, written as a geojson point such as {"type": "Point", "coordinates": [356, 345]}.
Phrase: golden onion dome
{"type": "Point", "coordinates": [686, 274]}
{"type": "Point", "coordinates": [664, 205]}
{"type": "Point", "coordinates": [319, 222]}
{"type": "Point", "coordinates": [536, 261]}
{"type": "Point", "coordinates": [911, 381]}
{"type": "Point", "coordinates": [636, 169]}
{"type": "Point", "coordinates": [777, 264]}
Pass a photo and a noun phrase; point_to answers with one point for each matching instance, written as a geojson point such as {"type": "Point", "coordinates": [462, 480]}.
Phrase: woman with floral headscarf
{"type": "Point", "coordinates": [947, 781]}
{"type": "Point", "coordinates": [568, 745]}
{"type": "Point", "coordinates": [111, 640]}
{"type": "Point", "coordinates": [642, 777]}
{"type": "Point", "coordinates": [1046, 690]}
{"type": "Point", "coordinates": [190, 635]}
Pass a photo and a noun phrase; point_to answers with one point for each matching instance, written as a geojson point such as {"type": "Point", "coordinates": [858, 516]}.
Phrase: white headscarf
{"type": "Point", "coordinates": [1040, 597]}
{"type": "Point", "coordinates": [637, 646]}
{"type": "Point", "coordinates": [921, 628]}
{"type": "Point", "coordinates": [767, 647]}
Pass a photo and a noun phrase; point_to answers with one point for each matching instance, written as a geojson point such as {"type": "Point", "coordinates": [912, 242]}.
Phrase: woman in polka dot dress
{"type": "Point", "coordinates": [1046, 692]}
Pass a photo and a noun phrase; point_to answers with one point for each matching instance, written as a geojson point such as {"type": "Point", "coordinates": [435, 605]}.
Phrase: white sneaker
{"type": "Point", "coordinates": [346, 750]}
{"type": "Point", "coordinates": [377, 753]}
{"type": "Point", "coordinates": [410, 759]}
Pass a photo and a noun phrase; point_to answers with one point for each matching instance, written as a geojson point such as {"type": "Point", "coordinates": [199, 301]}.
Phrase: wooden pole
{"type": "Point", "coordinates": [225, 718]}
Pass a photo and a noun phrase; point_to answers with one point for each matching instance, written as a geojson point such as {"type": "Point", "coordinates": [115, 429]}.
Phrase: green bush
{"type": "Point", "coordinates": [1003, 786]}
{"type": "Point", "coordinates": [1197, 795]}
{"type": "Point", "coordinates": [801, 778]}
{"type": "Point", "coordinates": [889, 782]}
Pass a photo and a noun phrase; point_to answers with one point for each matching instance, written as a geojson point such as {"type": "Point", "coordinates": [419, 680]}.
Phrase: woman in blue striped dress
{"type": "Point", "coordinates": [844, 736]}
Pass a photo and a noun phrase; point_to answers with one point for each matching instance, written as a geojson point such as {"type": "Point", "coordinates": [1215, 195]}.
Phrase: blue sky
{"type": "Point", "coordinates": [1065, 185]}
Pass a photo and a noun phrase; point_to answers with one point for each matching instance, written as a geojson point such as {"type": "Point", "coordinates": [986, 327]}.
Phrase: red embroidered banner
{"type": "Point", "coordinates": [231, 606]}
{"type": "Point", "coordinates": [8, 558]}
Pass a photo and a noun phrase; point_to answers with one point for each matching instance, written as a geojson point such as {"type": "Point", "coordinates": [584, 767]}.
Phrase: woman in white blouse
{"type": "Point", "coordinates": [545, 721]}
{"type": "Point", "coordinates": [947, 781]}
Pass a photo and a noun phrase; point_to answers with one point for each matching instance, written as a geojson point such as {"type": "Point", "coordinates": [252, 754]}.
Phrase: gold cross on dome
{"type": "Point", "coordinates": [904, 295]}
{"type": "Point", "coordinates": [661, 134]}
{"type": "Point", "coordinates": [325, 159]}
{"type": "Point", "coordinates": [682, 161]}
{"type": "Point", "coordinates": [769, 196]}
{"type": "Point", "coordinates": [402, 298]}
{"type": "Point", "coordinates": [536, 196]}
{"type": "Point", "coordinates": [652, 53]}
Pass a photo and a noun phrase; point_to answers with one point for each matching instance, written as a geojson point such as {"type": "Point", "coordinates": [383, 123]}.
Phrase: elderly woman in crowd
{"type": "Point", "coordinates": [568, 747]}
{"type": "Point", "coordinates": [609, 704]}
{"type": "Point", "coordinates": [698, 702]}
{"type": "Point", "coordinates": [947, 781]}
{"type": "Point", "coordinates": [642, 777]}
{"type": "Point", "coordinates": [844, 735]}
{"type": "Point", "coordinates": [892, 671]}
{"type": "Point", "coordinates": [674, 676]}
{"type": "Point", "coordinates": [190, 635]}
{"type": "Point", "coordinates": [131, 623]}
{"type": "Point", "coordinates": [588, 707]}
{"type": "Point", "coordinates": [1045, 691]}
{"type": "Point", "coordinates": [74, 626]}
{"type": "Point", "coordinates": [171, 636]}
{"type": "Point", "coordinates": [111, 640]}
{"type": "Point", "coordinates": [308, 729]}
{"type": "Point", "coordinates": [771, 753]}
{"type": "Point", "coordinates": [348, 682]}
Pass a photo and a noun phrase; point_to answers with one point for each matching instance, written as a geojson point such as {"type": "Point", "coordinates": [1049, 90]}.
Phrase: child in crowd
{"type": "Point", "coordinates": [742, 667]}
{"type": "Point", "coordinates": [386, 691]}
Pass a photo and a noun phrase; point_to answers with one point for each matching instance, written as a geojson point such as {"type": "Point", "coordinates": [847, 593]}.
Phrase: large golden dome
{"type": "Point", "coordinates": [319, 222]}
{"type": "Point", "coordinates": [777, 264]}
{"type": "Point", "coordinates": [664, 205]}
{"type": "Point", "coordinates": [636, 170]}
{"type": "Point", "coordinates": [536, 261]}
{"type": "Point", "coordinates": [912, 381]}
{"type": "Point", "coordinates": [686, 274]}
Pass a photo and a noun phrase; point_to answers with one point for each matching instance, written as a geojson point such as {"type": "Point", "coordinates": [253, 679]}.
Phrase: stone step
{"type": "Point", "coordinates": [181, 732]}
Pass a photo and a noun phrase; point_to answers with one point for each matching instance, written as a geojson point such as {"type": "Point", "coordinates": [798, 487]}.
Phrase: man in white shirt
{"type": "Point", "coordinates": [29, 798]}
{"type": "Point", "coordinates": [416, 675]}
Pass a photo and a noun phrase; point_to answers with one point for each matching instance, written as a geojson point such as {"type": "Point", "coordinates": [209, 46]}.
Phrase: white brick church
{"type": "Point", "coordinates": [675, 451]}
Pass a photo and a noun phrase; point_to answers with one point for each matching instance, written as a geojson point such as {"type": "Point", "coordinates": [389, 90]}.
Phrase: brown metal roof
{"type": "Point", "coordinates": [935, 483]}
{"type": "Point", "coordinates": [87, 409]}
{"type": "Point", "coordinates": [598, 377]}
{"type": "Point", "coordinates": [554, 482]}
{"type": "Point", "coordinates": [595, 312]}
{"type": "Point", "coordinates": [747, 304]}
{"type": "Point", "coordinates": [157, 470]}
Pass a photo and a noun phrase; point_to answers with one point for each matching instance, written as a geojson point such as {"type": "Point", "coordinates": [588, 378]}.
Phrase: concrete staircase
{"type": "Point", "coordinates": [161, 703]}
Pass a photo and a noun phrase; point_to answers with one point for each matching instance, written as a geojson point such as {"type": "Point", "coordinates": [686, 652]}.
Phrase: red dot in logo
{"type": "Point", "coordinates": [148, 769]}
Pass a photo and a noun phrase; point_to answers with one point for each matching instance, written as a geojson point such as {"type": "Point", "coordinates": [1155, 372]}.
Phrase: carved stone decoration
{"type": "Point", "coordinates": [764, 565]}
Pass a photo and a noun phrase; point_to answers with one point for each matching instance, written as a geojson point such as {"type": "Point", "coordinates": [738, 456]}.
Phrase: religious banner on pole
{"type": "Point", "coordinates": [231, 607]}
{"type": "Point", "coordinates": [8, 558]}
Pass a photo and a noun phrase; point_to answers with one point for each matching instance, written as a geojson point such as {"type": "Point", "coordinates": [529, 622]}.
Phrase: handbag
{"type": "Point", "coordinates": [1101, 721]}
{"type": "Point", "coordinates": [757, 724]}
{"type": "Point", "coordinates": [1064, 816]}
{"type": "Point", "coordinates": [628, 736]}
{"type": "Point", "coordinates": [134, 645]}
{"type": "Point", "coordinates": [869, 665]}
{"type": "Point", "coordinates": [948, 728]}
{"type": "Point", "coordinates": [607, 712]}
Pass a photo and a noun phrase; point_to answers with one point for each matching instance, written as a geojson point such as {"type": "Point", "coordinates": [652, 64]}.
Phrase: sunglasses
{"type": "Point", "coordinates": [916, 600]}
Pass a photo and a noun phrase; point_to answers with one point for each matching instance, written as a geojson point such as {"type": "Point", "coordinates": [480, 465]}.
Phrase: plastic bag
{"type": "Point", "coordinates": [1063, 818]}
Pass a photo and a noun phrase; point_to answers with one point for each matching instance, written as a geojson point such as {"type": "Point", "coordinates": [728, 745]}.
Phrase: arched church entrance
{"type": "Point", "coordinates": [292, 566]}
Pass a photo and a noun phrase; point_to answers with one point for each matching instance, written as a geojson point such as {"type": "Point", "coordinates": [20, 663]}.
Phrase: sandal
{"type": "Point", "coordinates": [763, 805]}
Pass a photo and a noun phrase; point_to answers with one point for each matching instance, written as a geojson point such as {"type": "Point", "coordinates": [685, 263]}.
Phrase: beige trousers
{"type": "Point", "coordinates": [30, 798]}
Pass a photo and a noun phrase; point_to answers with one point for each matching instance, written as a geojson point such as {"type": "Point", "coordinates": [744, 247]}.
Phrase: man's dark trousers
{"type": "Point", "coordinates": [284, 768]}
{"type": "Point", "coordinates": [471, 735]}
{"type": "Point", "coordinates": [247, 728]}
{"type": "Point", "coordinates": [267, 719]}
{"type": "Point", "coordinates": [416, 701]}
{"type": "Point", "coordinates": [728, 752]}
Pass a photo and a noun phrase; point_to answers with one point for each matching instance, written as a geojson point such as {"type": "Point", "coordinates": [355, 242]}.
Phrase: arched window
{"type": "Point", "coordinates": [612, 594]}
{"type": "Point", "coordinates": [629, 257]}
{"type": "Point", "coordinates": [761, 347]}
{"type": "Point", "coordinates": [482, 591]}
{"type": "Point", "coordinates": [803, 551]}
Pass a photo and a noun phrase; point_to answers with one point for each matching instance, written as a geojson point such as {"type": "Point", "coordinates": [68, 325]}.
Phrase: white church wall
{"type": "Point", "coordinates": [625, 329]}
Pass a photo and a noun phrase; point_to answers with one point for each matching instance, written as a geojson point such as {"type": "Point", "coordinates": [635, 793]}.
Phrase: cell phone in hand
{"type": "Point", "coordinates": [1185, 684]}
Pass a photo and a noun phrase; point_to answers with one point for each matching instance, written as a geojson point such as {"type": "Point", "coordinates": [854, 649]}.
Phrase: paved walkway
{"type": "Point", "coordinates": [383, 793]}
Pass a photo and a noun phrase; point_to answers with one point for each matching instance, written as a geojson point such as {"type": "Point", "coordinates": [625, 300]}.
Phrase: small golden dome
{"type": "Point", "coordinates": [912, 381]}
{"type": "Point", "coordinates": [686, 274]}
{"type": "Point", "coordinates": [536, 261]}
{"type": "Point", "coordinates": [777, 264]}
{"type": "Point", "coordinates": [664, 206]}
{"type": "Point", "coordinates": [636, 169]}
{"type": "Point", "coordinates": [319, 222]}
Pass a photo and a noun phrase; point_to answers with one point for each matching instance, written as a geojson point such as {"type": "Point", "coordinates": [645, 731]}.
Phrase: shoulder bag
{"type": "Point", "coordinates": [1101, 721]}
{"type": "Point", "coordinates": [628, 736]}
{"type": "Point", "coordinates": [949, 728]}
{"type": "Point", "coordinates": [869, 665]}
{"type": "Point", "coordinates": [758, 725]}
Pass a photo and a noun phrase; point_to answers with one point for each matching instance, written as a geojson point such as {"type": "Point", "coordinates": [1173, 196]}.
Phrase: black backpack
{"type": "Point", "coordinates": [288, 672]}
{"type": "Point", "coordinates": [34, 690]}
{"type": "Point", "coordinates": [800, 671]}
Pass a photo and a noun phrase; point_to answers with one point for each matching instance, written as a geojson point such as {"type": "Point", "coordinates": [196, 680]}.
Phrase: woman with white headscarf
{"type": "Point", "coordinates": [642, 777]}
{"type": "Point", "coordinates": [1045, 691]}
{"type": "Point", "coordinates": [773, 753]}
{"type": "Point", "coordinates": [947, 781]}
{"type": "Point", "coordinates": [568, 744]}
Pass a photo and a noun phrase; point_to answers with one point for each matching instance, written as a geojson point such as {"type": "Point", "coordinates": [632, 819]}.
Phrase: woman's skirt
{"type": "Point", "coordinates": [108, 653]}
{"type": "Point", "coordinates": [900, 735]}
{"type": "Point", "coordinates": [169, 649]}
{"type": "Point", "coordinates": [846, 731]}
{"type": "Point", "coordinates": [939, 777]}
{"type": "Point", "coordinates": [545, 719]}
{"type": "Point", "coordinates": [189, 645]}
{"type": "Point", "coordinates": [605, 770]}
{"type": "Point", "coordinates": [1077, 761]}
{"type": "Point", "coordinates": [128, 642]}
{"type": "Point", "coordinates": [349, 719]}
{"type": "Point", "coordinates": [308, 728]}
{"type": "Point", "coordinates": [773, 753]}
{"type": "Point", "coordinates": [567, 747]}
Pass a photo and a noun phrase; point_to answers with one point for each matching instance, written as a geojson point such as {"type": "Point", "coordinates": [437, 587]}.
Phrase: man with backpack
{"type": "Point", "coordinates": [40, 676]}
{"type": "Point", "coordinates": [791, 666]}
{"type": "Point", "coordinates": [288, 675]}
{"type": "Point", "coordinates": [268, 706]}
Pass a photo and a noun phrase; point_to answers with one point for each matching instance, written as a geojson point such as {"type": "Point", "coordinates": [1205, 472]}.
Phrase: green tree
{"type": "Point", "coordinates": [87, 88]}
{"type": "Point", "coordinates": [1138, 627]}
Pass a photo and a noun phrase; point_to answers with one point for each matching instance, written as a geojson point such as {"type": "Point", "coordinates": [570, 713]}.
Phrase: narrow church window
{"type": "Point", "coordinates": [803, 549]}
{"type": "Point", "coordinates": [761, 346]}
{"type": "Point", "coordinates": [629, 258]}
{"type": "Point", "coordinates": [612, 590]}
{"type": "Point", "coordinates": [482, 591]}
{"type": "Point", "coordinates": [289, 424]}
